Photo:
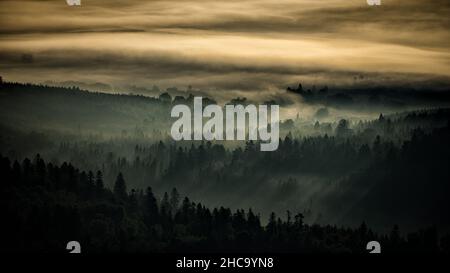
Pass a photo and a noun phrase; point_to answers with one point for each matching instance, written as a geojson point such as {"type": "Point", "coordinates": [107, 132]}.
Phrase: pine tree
{"type": "Point", "coordinates": [165, 205]}
{"type": "Point", "coordinates": [150, 208]}
{"type": "Point", "coordinates": [174, 200]}
{"type": "Point", "coordinates": [99, 182]}
{"type": "Point", "coordinates": [272, 225]}
{"type": "Point", "coordinates": [120, 188]}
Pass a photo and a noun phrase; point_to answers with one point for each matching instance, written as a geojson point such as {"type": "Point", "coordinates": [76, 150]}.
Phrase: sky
{"type": "Point", "coordinates": [230, 48]}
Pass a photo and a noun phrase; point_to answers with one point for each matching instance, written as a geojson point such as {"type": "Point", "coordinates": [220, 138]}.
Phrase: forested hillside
{"type": "Point", "coordinates": [44, 206]}
{"type": "Point", "coordinates": [390, 169]}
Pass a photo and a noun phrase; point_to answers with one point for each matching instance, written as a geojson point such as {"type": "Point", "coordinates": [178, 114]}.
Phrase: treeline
{"type": "Point", "coordinates": [375, 96]}
{"type": "Point", "coordinates": [44, 206]}
{"type": "Point", "coordinates": [73, 111]}
{"type": "Point", "coordinates": [330, 179]}
{"type": "Point", "coordinates": [409, 185]}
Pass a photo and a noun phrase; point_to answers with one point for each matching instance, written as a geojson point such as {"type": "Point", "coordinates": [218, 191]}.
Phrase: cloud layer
{"type": "Point", "coordinates": [226, 46]}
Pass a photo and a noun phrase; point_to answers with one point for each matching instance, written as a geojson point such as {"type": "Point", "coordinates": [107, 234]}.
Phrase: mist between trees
{"type": "Point", "coordinates": [392, 169]}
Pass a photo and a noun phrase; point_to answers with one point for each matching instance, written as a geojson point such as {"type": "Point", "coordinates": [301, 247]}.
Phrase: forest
{"type": "Point", "coordinates": [45, 204]}
{"type": "Point", "coordinates": [102, 169]}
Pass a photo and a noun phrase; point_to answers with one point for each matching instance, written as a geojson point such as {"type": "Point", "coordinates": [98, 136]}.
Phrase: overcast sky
{"type": "Point", "coordinates": [228, 46]}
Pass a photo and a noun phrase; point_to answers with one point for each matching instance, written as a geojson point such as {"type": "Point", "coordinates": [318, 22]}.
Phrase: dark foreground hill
{"type": "Point", "coordinates": [44, 206]}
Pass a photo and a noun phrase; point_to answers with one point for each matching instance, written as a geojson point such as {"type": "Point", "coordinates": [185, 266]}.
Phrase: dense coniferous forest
{"type": "Point", "coordinates": [46, 205]}
{"type": "Point", "coordinates": [103, 170]}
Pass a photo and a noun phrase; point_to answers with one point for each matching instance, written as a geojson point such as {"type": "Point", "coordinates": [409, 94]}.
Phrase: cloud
{"type": "Point", "coordinates": [226, 46]}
